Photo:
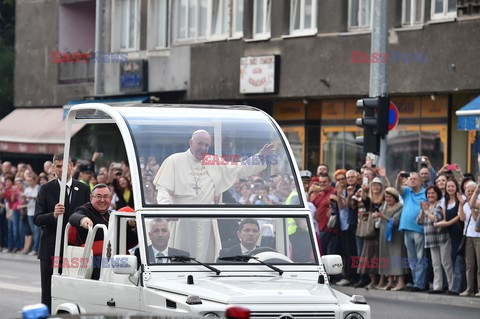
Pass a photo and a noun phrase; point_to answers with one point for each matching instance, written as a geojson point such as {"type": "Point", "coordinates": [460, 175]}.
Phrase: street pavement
{"type": "Point", "coordinates": [20, 286]}
{"type": "Point", "coordinates": [419, 297]}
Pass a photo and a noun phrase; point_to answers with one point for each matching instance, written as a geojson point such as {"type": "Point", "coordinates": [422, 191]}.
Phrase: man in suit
{"type": "Point", "coordinates": [248, 234]}
{"type": "Point", "coordinates": [47, 210]}
{"type": "Point", "coordinates": [160, 235]}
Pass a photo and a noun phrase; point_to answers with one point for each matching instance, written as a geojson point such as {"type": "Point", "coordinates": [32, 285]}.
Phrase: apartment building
{"type": "Point", "coordinates": [305, 62]}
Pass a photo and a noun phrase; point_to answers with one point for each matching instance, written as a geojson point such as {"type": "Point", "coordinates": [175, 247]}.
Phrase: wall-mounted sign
{"type": "Point", "coordinates": [133, 76]}
{"type": "Point", "coordinates": [258, 74]}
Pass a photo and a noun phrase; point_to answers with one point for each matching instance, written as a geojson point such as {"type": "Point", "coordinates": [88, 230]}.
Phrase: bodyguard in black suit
{"type": "Point", "coordinates": [159, 234]}
{"type": "Point", "coordinates": [248, 234]}
{"type": "Point", "coordinates": [47, 210]}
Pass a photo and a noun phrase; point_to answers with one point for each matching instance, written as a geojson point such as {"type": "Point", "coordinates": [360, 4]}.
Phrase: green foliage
{"type": "Point", "coordinates": [7, 55]}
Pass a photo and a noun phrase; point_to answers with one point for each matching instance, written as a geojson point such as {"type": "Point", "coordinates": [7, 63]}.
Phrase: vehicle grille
{"type": "Point", "coordinates": [292, 315]}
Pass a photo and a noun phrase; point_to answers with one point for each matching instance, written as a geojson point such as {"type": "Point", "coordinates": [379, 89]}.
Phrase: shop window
{"type": "Point", "coordinates": [303, 16]}
{"type": "Point", "coordinates": [296, 138]}
{"type": "Point", "coordinates": [339, 149]}
{"type": "Point", "coordinates": [412, 12]}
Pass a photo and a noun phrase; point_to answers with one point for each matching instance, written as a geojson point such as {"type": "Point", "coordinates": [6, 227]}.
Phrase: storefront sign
{"type": "Point", "coordinates": [258, 74]}
{"type": "Point", "coordinates": [133, 76]}
{"type": "Point", "coordinates": [289, 110]}
{"type": "Point", "coordinates": [30, 148]}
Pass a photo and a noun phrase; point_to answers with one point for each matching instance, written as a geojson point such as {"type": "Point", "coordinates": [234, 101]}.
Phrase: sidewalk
{"type": "Point", "coordinates": [421, 297]}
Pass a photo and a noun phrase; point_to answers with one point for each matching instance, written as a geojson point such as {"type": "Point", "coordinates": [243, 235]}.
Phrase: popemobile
{"type": "Point", "coordinates": [221, 222]}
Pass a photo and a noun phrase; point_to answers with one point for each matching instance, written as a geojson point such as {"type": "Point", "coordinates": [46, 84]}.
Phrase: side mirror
{"type": "Point", "coordinates": [124, 264]}
{"type": "Point", "coordinates": [333, 264]}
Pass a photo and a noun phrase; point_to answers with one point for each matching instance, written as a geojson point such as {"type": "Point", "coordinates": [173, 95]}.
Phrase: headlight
{"type": "Point", "coordinates": [211, 315]}
{"type": "Point", "coordinates": [354, 315]}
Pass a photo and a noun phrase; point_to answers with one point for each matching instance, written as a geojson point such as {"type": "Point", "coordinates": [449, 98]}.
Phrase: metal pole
{"type": "Point", "coordinates": [378, 71]}
{"type": "Point", "coordinates": [99, 20]}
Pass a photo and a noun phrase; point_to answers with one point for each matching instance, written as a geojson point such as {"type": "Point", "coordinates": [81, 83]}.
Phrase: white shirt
{"type": "Point", "coordinates": [164, 252]}
{"type": "Point", "coordinates": [31, 192]}
{"type": "Point", "coordinates": [470, 232]}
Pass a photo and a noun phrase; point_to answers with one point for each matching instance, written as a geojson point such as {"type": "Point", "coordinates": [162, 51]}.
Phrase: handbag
{"type": "Point", "coordinates": [366, 226]}
{"type": "Point", "coordinates": [332, 222]}
{"type": "Point", "coordinates": [461, 247]}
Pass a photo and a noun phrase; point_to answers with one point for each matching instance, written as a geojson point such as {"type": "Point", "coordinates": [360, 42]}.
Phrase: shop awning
{"type": "Point", "coordinates": [469, 116]}
{"type": "Point", "coordinates": [34, 131]}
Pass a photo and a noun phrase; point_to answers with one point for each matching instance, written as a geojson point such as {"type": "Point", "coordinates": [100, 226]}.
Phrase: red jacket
{"type": "Point", "coordinates": [322, 203]}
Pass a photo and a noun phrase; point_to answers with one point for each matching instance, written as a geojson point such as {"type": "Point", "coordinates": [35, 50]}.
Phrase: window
{"type": "Point", "coordinates": [412, 12]}
{"type": "Point", "coordinates": [303, 15]}
{"type": "Point", "coordinates": [237, 23]}
{"type": "Point", "coordinates": [442, 9]}
{"type": "Point", "coordinates": [359, 14]}
{"type": "Point", "coordinates": [261, 19]}
{"type": "Point", "coordinates": [160, 18]}
{"type": "Point", "coordinates": [126, 22]}
{"type": "Point", "coordinates": [219, 12]}
{"type": "Point", "coordinates": [190, 19]}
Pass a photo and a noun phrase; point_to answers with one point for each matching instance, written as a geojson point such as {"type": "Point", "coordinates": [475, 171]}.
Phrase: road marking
{"type": "Point", "coordinates": [9, 277]}
{"type": "Point", "coordinates": [19, 288]}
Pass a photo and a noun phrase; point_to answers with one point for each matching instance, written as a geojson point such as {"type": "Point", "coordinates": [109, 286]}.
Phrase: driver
{"type": "Point", "coordinates": [248, 234]}
{"type": "Point", "coordinates": [159, 235]}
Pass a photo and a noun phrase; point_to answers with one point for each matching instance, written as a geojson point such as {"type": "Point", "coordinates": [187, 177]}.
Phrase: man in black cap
{"type": "Point", "coordinates": [86, 172]}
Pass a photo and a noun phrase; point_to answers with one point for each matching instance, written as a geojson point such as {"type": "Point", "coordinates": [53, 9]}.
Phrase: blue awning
{"type": "Point", "coordinates": [135, 99]}
{"type": "Point", "coordinates": [469, 116]}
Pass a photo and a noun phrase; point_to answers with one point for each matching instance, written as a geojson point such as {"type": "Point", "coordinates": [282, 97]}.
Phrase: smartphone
{"type": "Point", "coordinates": [452, 167]}
{"type": "Point", "coordinates": [117, 165]}
{"type": "Point", "coordinates": [406, 175]}
{"type": "Point", "coordinates": [365, 181]}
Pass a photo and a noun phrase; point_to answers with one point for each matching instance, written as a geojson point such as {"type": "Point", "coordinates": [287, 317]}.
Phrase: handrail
{"type": "Point", "coordinates": [65, 240]}
{"type": "Point", "coordinates": [88, 246]}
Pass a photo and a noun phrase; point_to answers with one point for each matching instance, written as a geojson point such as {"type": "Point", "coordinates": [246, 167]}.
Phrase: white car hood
{"type": "Point", "coordinates": [249, 289]}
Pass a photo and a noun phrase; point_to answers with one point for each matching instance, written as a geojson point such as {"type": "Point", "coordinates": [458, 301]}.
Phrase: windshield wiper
{"type": "Point", "coordinates": [184, 259]}
{"type": "Point", "coordinates": [246, 258]}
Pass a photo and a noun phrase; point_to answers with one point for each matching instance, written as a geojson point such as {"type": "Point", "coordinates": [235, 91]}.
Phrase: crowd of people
{"type": "Point", "coordinates": [420, 233]}
{"type": "Point", "coordinates": [19, 187]}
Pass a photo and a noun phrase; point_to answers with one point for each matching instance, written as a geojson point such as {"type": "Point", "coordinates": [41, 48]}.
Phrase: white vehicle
{"type": "Point", "coordinates": [284, 277]}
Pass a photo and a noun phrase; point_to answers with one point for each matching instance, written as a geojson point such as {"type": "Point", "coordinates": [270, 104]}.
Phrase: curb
{"type": "Point", "coordinates": [10, 256]}
{"type": "Point", "coordinates": [472, 302]}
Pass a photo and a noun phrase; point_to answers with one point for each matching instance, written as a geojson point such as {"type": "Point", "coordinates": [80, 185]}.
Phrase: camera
{"type": "Point", "coordinates": [406, 175]}
{"type": "Point", "coordinates": [419, 159]}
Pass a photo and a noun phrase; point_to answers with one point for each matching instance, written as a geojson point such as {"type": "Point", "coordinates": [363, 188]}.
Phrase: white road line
{"type": "Point", "coordinates": [9, 277]}
{"type": "Point", "coordinates": [19, 288]}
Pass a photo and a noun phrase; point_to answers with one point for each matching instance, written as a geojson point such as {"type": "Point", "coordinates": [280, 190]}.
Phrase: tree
{"type": "Point", "coordinates": [7, 55]}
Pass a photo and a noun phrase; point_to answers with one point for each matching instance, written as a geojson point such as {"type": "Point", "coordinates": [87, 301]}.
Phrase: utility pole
{"type": "Point", "coordinates": [378, 71]}
{"type": "Point", "coordinates": [99, 21]}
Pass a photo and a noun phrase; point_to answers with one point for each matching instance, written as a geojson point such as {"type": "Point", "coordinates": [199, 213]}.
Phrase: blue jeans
{"type": "Point", "coordinates": [15, 236]}
{"type": "Point", "coordinates": [459, 274]}
{"type": "Point", "coordinates": [415, 244]}
{"type": "Point", "coordinates": [329, 242]}
{"type": "Point", "coordinates": [35, 232]}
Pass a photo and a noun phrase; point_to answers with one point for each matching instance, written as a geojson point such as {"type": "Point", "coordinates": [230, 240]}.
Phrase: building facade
{"type": "Point", "coordinates": [305, 62]}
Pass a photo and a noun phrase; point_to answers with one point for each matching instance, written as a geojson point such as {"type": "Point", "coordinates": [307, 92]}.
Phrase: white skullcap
{"type": "Point", "coordinates": [198, 132]}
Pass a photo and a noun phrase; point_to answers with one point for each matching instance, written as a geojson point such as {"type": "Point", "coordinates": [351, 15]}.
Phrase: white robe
{"type": "Point", "coordinates": [176, 183]}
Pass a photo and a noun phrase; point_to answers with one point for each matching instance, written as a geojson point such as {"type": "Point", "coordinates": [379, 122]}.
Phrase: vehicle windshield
{"type": "Point", "coordinates": [224, 240]}
{"type": "Point", "coordinates": [211, 156]}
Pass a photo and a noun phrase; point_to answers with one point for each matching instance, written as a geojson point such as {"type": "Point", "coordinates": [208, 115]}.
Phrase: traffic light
{"type": "Point", "coordinates": [374, 122]}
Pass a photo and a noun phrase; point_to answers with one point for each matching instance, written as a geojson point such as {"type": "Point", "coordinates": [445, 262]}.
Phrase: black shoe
{"type": "Point", "coordinates": [451, 293]}
{"type": "Point", "coordinates": [435, 291]}
{"type": "Point", "coordinates": [416, 289]}
{"type": "Point", "coordinates": [359, 284]}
